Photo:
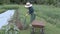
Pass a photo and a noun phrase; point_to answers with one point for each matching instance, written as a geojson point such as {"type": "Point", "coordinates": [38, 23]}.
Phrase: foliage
{"type": "Point", "coordinates": [10, 7]}
{"type": "Point", "coordinates": [47, 13]}
{"type": "Point", "coordinates": [2, 10]}
{"type": "Point", "coordinates": [50, 14]}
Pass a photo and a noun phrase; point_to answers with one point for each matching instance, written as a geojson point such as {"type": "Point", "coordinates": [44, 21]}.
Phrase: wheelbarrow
{"type": "Point", "coordinates": [37, 24]}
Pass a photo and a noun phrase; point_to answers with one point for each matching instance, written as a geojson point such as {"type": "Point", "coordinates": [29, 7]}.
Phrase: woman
{"type": "Point", "coordinates": [31, 11]}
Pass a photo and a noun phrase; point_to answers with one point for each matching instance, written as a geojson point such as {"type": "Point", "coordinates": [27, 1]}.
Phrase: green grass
{"type": "Point", "coordinates": [3, 8]}
{"type": "Point", "coordinates": [49, 14]}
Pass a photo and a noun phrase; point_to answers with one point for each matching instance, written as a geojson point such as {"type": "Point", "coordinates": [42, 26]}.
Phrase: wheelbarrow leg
{"type": "Point", "coordinates": [41, 30]}
{"type": "Point", "coordinates": [33, 31]}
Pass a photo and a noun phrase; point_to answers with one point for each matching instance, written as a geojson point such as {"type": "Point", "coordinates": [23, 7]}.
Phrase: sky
{"type": "Point", "coordinates": [5, 17]}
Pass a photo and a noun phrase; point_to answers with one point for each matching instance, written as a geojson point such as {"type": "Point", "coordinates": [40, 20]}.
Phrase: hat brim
{"type": "Point", "coordinates": [29, 5]}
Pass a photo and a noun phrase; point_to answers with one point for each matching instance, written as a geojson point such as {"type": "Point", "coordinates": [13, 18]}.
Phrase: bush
{"type": "Point", "coordinates": [10, 7]}
{"type": "Point", "coordinates": [7, 7]}
{"type": "Point", "coordinates": [2, 10]}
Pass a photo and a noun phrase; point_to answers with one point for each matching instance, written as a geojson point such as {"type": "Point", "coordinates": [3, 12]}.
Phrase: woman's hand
{"type": "Point", "coordinates": [26, 14]}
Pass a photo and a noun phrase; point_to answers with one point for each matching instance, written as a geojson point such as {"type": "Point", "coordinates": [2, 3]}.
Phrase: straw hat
{"type": "Point", "coordinates": [28, 4]}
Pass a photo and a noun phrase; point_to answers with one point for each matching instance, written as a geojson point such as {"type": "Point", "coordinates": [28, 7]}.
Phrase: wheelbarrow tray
{"type": "Point", "coordinates": [38, 24]}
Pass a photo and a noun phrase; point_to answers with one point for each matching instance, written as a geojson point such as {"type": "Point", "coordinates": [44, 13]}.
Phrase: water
{"type": "Point", "coordinates": [5, 17]}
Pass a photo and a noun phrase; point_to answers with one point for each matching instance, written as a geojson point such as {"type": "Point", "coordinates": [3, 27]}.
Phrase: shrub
{"type": "Point", "coordinates": [2, 10]}
{"type": "Point", "coordinates": [10, 7]}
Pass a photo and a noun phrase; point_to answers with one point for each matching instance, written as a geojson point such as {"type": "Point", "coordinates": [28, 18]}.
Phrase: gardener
{"type": "Point", "coordinates": [31, 11]}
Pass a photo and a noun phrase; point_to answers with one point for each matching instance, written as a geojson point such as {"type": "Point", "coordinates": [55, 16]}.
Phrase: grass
{"type": "Point", "coordinates": [49, 14]}
{"type": "Point", "coordinates": [2, 10]}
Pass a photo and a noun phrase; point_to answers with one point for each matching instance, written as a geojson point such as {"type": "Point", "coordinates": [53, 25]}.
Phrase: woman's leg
{"type": "Point", "coordinates": [33, 16]}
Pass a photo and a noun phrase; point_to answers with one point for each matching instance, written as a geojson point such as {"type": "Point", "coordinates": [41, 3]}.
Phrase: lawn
{"type": "Point", "coordinates": [49, 14]}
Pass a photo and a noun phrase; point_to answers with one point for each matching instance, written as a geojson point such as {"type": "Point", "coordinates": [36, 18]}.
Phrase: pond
{"type": "Point", "coordinates": [5, 17]}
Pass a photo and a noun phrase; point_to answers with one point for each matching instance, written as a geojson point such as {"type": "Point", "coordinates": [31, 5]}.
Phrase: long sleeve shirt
{"type": "Point", "coordinates": [31, 10]}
